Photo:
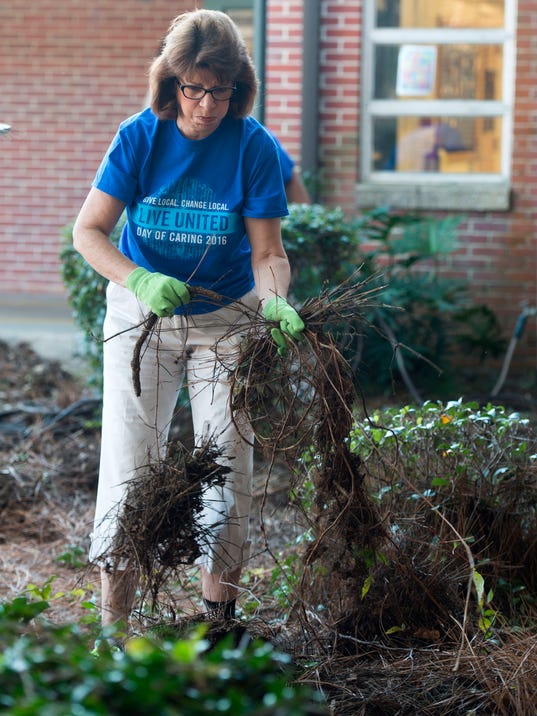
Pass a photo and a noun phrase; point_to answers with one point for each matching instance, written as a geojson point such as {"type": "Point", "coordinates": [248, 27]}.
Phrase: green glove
{"type": "Point", "coordinates": [278, 310]}
{"type": "Point", "coordinates": [279, 339]}
{"type": "Point", "coordinates": [161, 293]}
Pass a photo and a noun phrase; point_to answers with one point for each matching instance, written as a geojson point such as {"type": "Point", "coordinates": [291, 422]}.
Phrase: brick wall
{"type": "Point", "coordinates": [339, 101]}
{"type": "Point", "coordinates": [339, 90]}
{"type": "Point", "coordinates": [70, 70]}
{"type": "Point", "coordinates": [499, 254]}
{"type": "Point", "coordinates": [283, 80]}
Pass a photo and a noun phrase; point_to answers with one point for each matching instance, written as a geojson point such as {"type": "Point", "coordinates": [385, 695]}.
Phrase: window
{"type": "Point", "coordinates": [248, 15]}
{"type": "Point", "coordinates": [437, 103]}
{"type": "Point", "coordinates": [242, 13]}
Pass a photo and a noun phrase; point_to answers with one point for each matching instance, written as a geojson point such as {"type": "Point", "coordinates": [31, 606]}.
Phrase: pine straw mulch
{"type": "Point", "coordinates": [49, 455]}
{"type": "Point", "coordinates": [384, 621]}
{"type": "Point", "coordinates": [48, 446]}
{"type": "Point", "coordinates": [48, 467]}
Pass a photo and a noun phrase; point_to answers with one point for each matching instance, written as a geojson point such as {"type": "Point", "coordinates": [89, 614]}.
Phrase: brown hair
{"type": "Point", "coordinates": [202, 40]}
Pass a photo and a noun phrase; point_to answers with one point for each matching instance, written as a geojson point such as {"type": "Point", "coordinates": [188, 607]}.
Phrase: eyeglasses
{"type": "Point", "coordinates": [219, 94]}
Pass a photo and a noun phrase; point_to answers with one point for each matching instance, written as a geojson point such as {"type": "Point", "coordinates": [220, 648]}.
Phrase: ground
{"type": "Point", "coordinates": [49, 448]}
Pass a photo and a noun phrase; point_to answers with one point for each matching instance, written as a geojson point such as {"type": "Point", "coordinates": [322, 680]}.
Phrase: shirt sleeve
{"type": "Point", "coordinates": [265, 191]}
{"type": "Point", "coordinates": [118, 172]}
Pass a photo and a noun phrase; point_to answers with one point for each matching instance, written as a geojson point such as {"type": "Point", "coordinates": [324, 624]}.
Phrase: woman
{"type": "Point", "coordinates": [202, 186]}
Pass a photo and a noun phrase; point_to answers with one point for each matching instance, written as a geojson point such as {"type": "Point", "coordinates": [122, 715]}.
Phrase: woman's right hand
{"type": "Point", "coordinates": [160, 292]}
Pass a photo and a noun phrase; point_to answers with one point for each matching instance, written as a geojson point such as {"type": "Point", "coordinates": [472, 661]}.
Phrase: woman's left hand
{"type": "Point", "coordinates": [279, 311]}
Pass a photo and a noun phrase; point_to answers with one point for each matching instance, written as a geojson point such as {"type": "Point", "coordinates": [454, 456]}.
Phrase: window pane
{"type": "Point", "coordinates": [244, 19]}
{"type": "Point", "coordinates": [440, 13]}
{"type": "Point", "coordinates": [438, 72]}
{"type": "Point", "coordinates": [438, 144]}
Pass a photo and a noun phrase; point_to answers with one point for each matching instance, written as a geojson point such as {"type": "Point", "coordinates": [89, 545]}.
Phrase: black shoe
{"type": "Point", "coordinates": [220, 611]}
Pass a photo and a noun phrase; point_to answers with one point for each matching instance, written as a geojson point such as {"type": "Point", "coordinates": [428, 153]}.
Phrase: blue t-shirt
{"type": "Point", "coordinates": [187, 199]}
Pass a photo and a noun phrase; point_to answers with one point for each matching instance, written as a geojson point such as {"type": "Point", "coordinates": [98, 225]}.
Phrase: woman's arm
{"type": "Point", "coordinates": [270, 264]}
{"type": "Point", "coordinates": [272, 275]}
{"type": "Point", "coordinates": [295, 190]}
{"type": "Point", "coordinates": [97, 218]}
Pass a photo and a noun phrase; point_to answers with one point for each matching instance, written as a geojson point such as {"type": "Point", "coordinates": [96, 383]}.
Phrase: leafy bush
{"type": "Point", "coordinates": [321, 245]}
{"type": "Point", "coordinates": [86, 295]}
{"type": "Point", "coordinates": [51, 672]}
{"type": "Point", "coordinates": [448, 472]}
{"type": "Point", "coordinates": [401, 254]}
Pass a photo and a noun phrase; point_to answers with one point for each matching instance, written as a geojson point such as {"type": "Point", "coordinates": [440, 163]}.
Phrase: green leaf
{"type": "Point", "coordinates": [396, 629]}
{"type": "Point", "coordinates": [367, 585]}
{"type": "Point", "coordinates": [479, 584]}
{"type": "Point", "coordinates": [440, 482]}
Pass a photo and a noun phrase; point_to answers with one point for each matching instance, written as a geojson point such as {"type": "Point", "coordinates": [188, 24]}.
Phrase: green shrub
{"type": "Point", "coordinates": [50, 671]}
{"type": "Point", "coordinates": [485, 443]}
{"type": "Point", "coordinates": [321, 245]}
{"type": "Point", "coordinates": [401, 253]}
{"type": "Point", "coordinates": [86, 291]}
{"type": "Point", "coordinates": [453, 471]}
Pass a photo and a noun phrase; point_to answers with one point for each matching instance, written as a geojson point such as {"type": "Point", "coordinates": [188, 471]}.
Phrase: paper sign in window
{"type": "Point", "coordinates": [416, 70]}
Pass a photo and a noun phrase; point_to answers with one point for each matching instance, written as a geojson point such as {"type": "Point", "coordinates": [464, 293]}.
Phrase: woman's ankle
{"type": "Point", "coordinates": [220, 610]}
{"type": "Point", "coordinates": [118, 589]}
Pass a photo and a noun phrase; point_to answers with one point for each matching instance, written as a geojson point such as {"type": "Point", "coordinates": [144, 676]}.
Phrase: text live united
{"type": "Point", "coordinates": [215, 222]}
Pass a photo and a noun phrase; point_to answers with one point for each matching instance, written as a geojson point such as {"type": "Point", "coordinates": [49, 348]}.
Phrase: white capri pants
{"type": "Point", "coordinates": [135, 429]}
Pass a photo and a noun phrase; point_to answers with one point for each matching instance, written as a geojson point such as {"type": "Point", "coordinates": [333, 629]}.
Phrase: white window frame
{"type": "Point", "coordinates": [480, 192]}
